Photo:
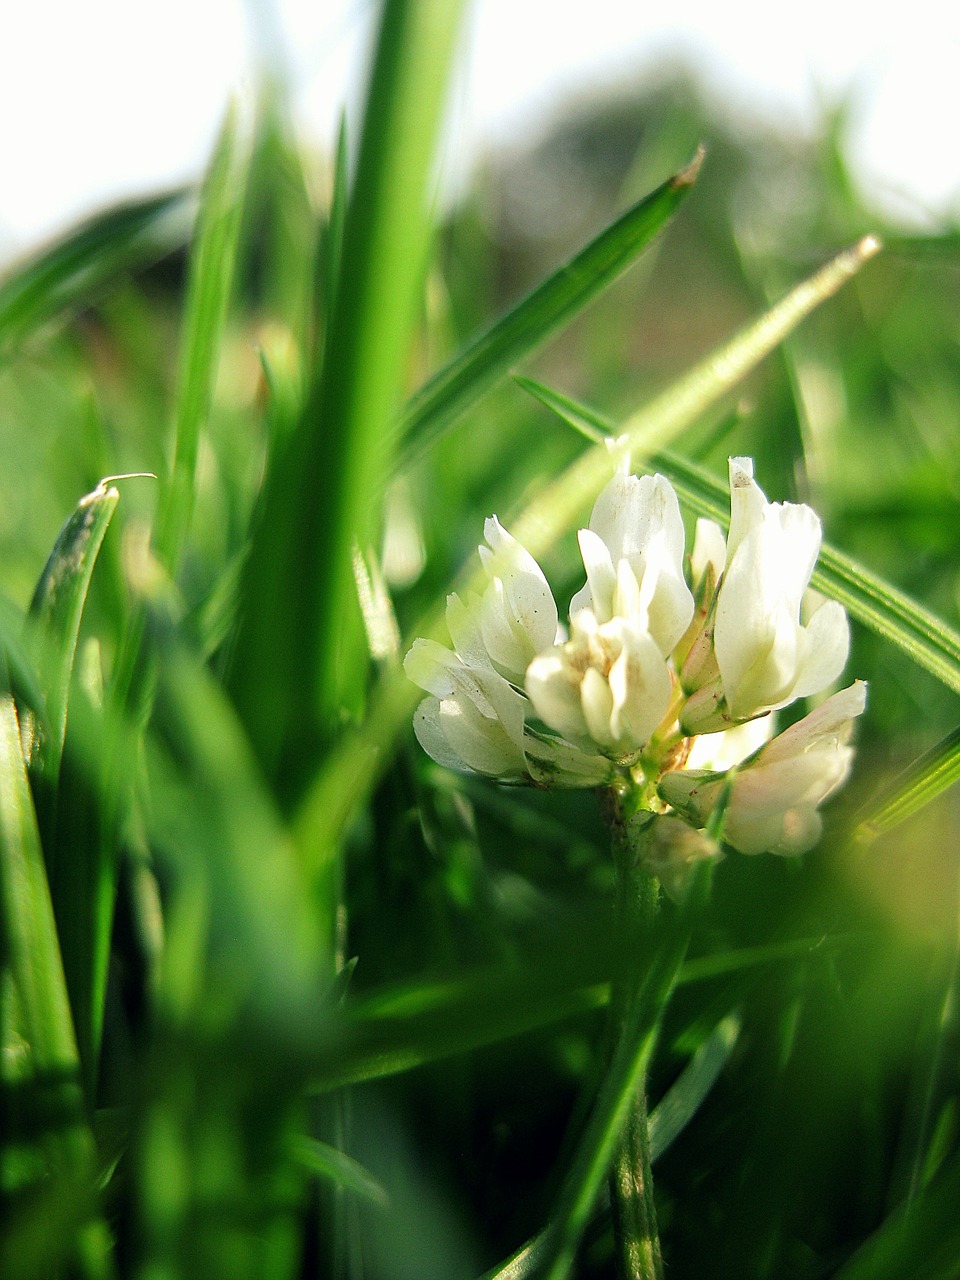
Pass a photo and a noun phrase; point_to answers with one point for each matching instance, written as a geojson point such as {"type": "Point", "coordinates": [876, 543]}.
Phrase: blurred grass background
{"type": "Point", "coordinates": [372, 1057]}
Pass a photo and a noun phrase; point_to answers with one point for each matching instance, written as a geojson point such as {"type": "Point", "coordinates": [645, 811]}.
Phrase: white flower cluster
{"type": "Point", "coordinates": [659, 686]}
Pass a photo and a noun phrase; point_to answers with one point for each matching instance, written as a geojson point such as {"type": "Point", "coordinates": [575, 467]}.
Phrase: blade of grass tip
{"type": "Point", "coordinates": [212, 261]}
{"type": "Point", "coordinates": [298, 656]}
{"type": "Point", "coordinates": [73, 269]}
{"type": "Point", "coordinates": [56, 610]}
{"type": "Point", "coordinates": [331, 234]}
{"type": "Point", "coordinates": [916, 787]}
{"type": "Point", "coordinates": [80, 885]}
{"type": "Point", "coordinates": [352, 768]}
{"type": "Point", "coordinates": [924, 637]}
{"type": "Point", "coordinates": [658, 423]}
{"type": "Point", "coordinates": [39, 1063]}
{"type": "Point", "coordinates": [562, 296]}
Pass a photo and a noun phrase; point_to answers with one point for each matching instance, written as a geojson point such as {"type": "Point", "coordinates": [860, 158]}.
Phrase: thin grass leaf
{"type": "Point", "coordinates": [212, 262]}
{"type": "Point", "coordinates": [614, 1103]}
{"type": "Point", "coordinates": [352, 768]}
{"type": "Point", "coordinates": [924, 637]}
{"type": "Point", "coordinates": [56, 611]}
{"type": "Point", "coordinates": [920, 1240]}
{"type": "Point", "coordinates": [73, 270]}
{"type": "Point", "coordinates": [562, 296]}
{"type": "Point", "coordinates": [684, 1098]}
{"type": "Point", "coordinates": [659, 423]}
{"type": "Point", "coordinates": [912, 790]}
{"type": "Point", "coordinates": [326, 1161]}
{"type": "Point", "coordinates": [39, 1063]}
{"type": "Point", "coordinates": [667, 1120]}
{"type": "Point", "coordinates": [292, 692]}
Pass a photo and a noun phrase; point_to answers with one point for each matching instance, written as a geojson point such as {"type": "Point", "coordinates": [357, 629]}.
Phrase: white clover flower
{"type": "Point", "coordinates": [607, 685]}
{"type": "Point", "coordinates": [518, 614]}
{"type": "Point", "coordinates": [774, 797]}
{"type": "Point", "coordinates": [633, 555]}
{"type": "Point", "coordinates": [474, 719]}
{"type": "Point", "coordinates": [772, 643]}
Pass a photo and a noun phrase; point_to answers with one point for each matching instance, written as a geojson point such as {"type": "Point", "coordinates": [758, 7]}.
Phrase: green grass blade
{"type": "Point", "coordinates": [326, 1161]}
{"type": "Point", "coordinates": [56, 611]}
{"type": "Point", "coordinates": [291, 692]}
{"type": "Point", "coordinates": [212, 261]}
{"type": "Point", "coordinates": [924, 637]}
{"type": "Point", "coordinates": [916, 787]}
{"type": "Point", "coordinates": [682, 1101]}
{"type": "Point", "coordinates": [659, 423]}
{"type": "Point", "coordinates": [44, 1134]}
{"type": "Point", "coordinates": [921, 1239]}
{"type": "Point", "coordinates": [76, 267]}
{"type": "Point", "coordinates": [460, 383]}
{"type": "Point", "coordinates": [614, 1102]}
{"type": "Point", "coordinates": [667, 1120]}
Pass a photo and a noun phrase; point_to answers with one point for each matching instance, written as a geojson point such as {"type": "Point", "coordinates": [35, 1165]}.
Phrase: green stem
{"type": "Point", "coordinates": [631, 1180]}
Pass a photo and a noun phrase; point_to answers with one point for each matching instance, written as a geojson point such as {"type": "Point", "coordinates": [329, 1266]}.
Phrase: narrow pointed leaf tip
{"type": "Point", "coordinates": [688, 175]}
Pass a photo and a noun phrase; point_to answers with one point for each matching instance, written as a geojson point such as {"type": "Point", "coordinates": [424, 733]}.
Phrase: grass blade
{"type": "Point", "coordinates": [460, 384]}
{"type": "Point", "coordinates": [212, 262]}
{"type": "Point", "coordinates": [42, 1098]}
{"type": "Point", "coordinates": [675, 409]}
{"type": "Point", "coordinates": [71, 271]}
{"type": "Point", "coordinates": [907, 794]}
{"type": "Point", "coordinates": [290, 693]}
{"type": "Point", "coordinates": [57, 609]}
{"type": "Point", "coordinates": [683, 1100]}
{"type": "Point", "coordinates": [671, 1115]}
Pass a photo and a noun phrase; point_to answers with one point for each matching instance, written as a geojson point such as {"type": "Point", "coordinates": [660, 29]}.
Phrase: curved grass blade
{"type": "Point", "coordinates": [660, 422]}
{"type": "Point", "coordinates": [44, 1134]}
{"type": "Point", "coordinates": [327, 1162]}
{"type": "Point", "coordinates": [56, 610]}
{"type": "Point", "coordinates": [352, 768]}
{"type": "Point", "coordinates": [906, 795]}
{"type": "Point", "coordinates": [921, 1239]}
{"type": "Point", "coordinates": [71, 271]}
{"type": "Point", "coordinates": [460, 383]}
{"type": "Point", "coordinates": [924, 637]}
{"type": "Point", "coordinates": [667, 1120]}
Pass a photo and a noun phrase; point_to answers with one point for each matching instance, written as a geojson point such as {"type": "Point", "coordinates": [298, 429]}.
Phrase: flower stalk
{"type": "Point", "coordinates": [631, 1179]}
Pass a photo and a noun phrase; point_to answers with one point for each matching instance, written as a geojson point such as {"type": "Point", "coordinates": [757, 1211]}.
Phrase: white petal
{"type": "Point", "coordinates": [747, 502]}
{"type": "Point", "coordinates": [596, 701]}
{"type": "Point", "coordinates": [554, 690]}
{"type": "Point", "coordinates": [518, 619]}
{"type": "Point", "coordinates": [641, 701]}
{"type": "Point", "coordinates": [426, 726]}
{"type": "Point", "coordinates": [597, 593]}
{"type": "Point", "coordinates": [709, 547]}
{"type": "Point", "coordinates": [431, 666]}
{"type": "Point", "coordinates": [721, 751]}
{"type": "Point", "coordinates": [827, 645]}
{"type": "Point", "coordinates": [481, 743]}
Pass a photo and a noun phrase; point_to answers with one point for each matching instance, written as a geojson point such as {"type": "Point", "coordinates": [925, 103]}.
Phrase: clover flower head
{"type": "Point", "coordinates": [661, 687]}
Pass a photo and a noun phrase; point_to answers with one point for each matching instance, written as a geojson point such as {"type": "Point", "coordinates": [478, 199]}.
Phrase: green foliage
{"type": "Point", "coordinates": [279, 996]}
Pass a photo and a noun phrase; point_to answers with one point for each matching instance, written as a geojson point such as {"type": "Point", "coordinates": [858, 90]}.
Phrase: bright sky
{"type": "Point", "coordinates": [111, 98]}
